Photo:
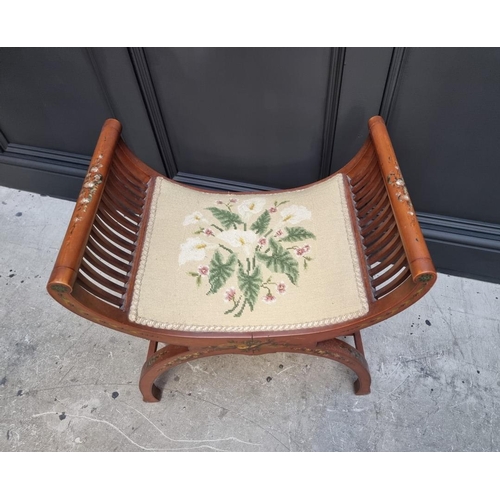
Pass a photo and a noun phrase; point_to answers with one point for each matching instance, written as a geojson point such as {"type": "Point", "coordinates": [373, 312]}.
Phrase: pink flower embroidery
{"type": "Point", "coordinates": [273, 210]}
{"type": "Point", "coordinates": [208, 232]}
{"type": "Point", "coordinates": [279, 232]}
{"type": "Point", "coordinates": [233, 200]}
{"type": "Point", "coordinates": [303, 250]}
{"type": "Point", "coordinates": [229, 295]}
{"type": "Point", "coordinates": [281, 287]}
{"type": "Point", "coordinates": [269, 298]}
{"type": "Point", "coordinates": [203, 270]}
{"type": "Point", "coordinates": [262, 241]}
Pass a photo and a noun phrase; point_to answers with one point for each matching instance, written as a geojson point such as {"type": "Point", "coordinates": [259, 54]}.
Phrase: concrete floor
{"type": "Point", "coordinates": [69, 385]}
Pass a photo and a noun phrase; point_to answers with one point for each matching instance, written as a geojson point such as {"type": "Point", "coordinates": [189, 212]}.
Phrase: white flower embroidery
{"type": "Point", "coordinates": [251, 207]}
{"type": "Point", "coordinates": [295, 214]}
{"type": "Point", "coordinates": [193, 249]}
{"type": "Point", "coordinates": [194, 218]}
{"type": "Point", "coordinates": [239, 239]}
{"type": "Point", "coordinates": [235, 231]}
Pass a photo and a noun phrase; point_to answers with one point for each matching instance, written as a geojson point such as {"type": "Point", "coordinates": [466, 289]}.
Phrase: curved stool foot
{"type": "Point", "coordinates": [157, 363]}
{"type": "Point", "coordinates": [361, 389]}
{"type": "Point", "coordinates": [342, 352]}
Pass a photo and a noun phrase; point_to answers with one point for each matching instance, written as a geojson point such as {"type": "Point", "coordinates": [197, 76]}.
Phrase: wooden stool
{"type": "Point", "coordinates": [210, 273]}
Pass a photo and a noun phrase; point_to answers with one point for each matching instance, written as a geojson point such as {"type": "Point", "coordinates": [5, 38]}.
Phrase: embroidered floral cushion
{"type": "Point", "coordinates": [236, 262]}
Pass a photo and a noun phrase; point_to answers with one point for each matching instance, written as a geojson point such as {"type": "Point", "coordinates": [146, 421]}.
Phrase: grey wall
{"type": "Point", "coordinates": [239, 119]}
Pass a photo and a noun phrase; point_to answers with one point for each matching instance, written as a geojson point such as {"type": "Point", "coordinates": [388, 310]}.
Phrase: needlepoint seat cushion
{"type": "Point", "coordinates": [248, 262]}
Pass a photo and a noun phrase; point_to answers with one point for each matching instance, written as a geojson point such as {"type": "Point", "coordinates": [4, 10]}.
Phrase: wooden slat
{"type": "Point", "coordinates": [393, 284]}
{"type": "Point", "coordinates": [109, 246]}
{"type": "Point", "coordinates": [115, 193]}
{"type": "Point", "coordinates": [136, 176]}
{"type": "Point", "coordinates": [366, 214]}
{"type": "Point", "coordinates": [375, 235]}
{"type": "Point", "coordinates": [138, 189]}
{"type": "Point", "coordinates": [373, 181]}
{"type": "Point", "coordinates": [122, 205]}
{"type": "Point", "coordinates": [136, 204]}
{"type": "Point", "coordinates": [374, 227]}
{"type": "Point", "coordinates": [362, 178]}
{"type": "Point", "coordinates": [358, 175]}
{"type": "Point", "coordinates": [132, 164]}
{"type": "Point", "coordinates": [384, 254]}
{"type": "Point", "coordinates": [115, 207]}
{"type": "Point", "coordinates": [98, 292]}
{"type": "Point", "coordinates": [396, 267]}
{"type": "Point", "coordinates": [370, 198]}
{"type": "Point", "coordinates": [116, 226]}
{"type": "Point", "coordinates": [104, 254]}
{"type": "Point", "coordinates": [108, 205]}
{"type": "Point", "coordinates": [391, 259]}
{"type": "Point", "coordinates": [104, 267]}
{"type": "Point", "coordinates": [101, 279]}
{"type": "Point", "coordinates": [125, 186]}
{"type": "Point", "coordinates": [385, 213]}
{"type": "Point", "coordinates": [115, 238]}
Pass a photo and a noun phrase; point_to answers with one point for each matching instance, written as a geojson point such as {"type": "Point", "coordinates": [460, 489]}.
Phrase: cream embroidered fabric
{"type": "Point", "coordinates": [236, 262]}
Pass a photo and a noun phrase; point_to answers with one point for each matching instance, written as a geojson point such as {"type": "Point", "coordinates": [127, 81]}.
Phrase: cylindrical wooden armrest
{"type": "Point", "coordinates": [70, 255]}
{"type": "Point", "coordinates": [419, 259]}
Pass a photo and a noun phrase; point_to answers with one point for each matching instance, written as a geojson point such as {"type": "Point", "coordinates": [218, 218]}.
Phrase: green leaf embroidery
{"type": "Point", "coordinates": [249, 283]}
{"type": "Point", "coordinates": [220, 271]}
{"type": "Point", "coordinates": [225, 217]}
{"type": "Point", "coordinates": [262, 223]}
{"type": "Point", "coordinates": [297, 234]}
{"type": "Point", "coordinates": [280, 261]}
{"type": "Point", "coordinates": [225, 248]}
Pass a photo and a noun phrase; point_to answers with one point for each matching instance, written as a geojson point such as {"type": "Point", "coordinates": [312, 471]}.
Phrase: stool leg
{"type": "Point", "coordinates": [150, 372]}
{"type": "Point", "coordinates": [358, 342]}
{"type": "Point", "coordinates": [342, 352]}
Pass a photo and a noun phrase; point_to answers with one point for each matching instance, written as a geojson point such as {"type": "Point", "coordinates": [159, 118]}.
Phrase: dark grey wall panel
{"type": "Point", "coordinates": [59, 178]}
{"type": "Point", "coordinates": [248, 115]}
{"type": "Point", "coordinates": [115, 71]}
{"type": "Point", "coordinates": [50, 98]}
{"type": "Point", "coordinates": [462, 260]}
{"type": "Point", "coordinates": [363, 82]}
{"type": "Point", "coordinates": [445, 125]}
{"type": "Point", "coordinates": [53, 103]}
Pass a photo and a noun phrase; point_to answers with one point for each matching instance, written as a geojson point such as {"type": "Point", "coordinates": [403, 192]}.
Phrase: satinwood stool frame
{"type": "Point", "coordinates": [106, 233]}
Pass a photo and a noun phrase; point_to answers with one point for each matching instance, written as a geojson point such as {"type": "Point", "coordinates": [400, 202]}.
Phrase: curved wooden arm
{"type": "Point", "coordinates": [419, 259]}
{"type": "Point", "coordinates": [70, 255]}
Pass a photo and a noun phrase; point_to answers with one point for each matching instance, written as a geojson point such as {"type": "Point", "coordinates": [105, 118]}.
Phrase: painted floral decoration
{"type": "Point", "coordinates": [247, 252]}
